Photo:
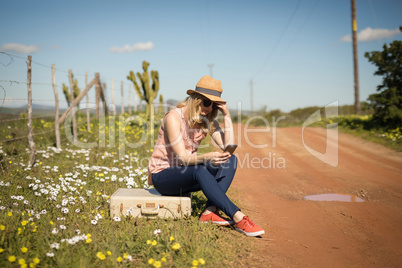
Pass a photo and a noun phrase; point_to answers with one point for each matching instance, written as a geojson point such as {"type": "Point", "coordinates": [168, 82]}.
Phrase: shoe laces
{"type": "Point", "coordinates": [248, 221]}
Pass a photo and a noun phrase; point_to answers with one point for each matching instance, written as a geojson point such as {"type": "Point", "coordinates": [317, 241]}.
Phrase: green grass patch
{"type": "Point", "coordinates": [362, 126]}
{"type": "Point", "coordinates": [56, 214]}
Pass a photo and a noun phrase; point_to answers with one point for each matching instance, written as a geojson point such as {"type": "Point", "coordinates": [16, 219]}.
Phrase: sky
{"type": "Point", "coordinates": [292, 53]}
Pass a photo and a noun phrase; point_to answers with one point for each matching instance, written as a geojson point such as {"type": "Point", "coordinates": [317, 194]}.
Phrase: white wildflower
{"type": "Point", "coordinates": [50, 254]}
{"type": "Point", "coordinates": [157, 231]}
{"type": "Point", "coordinates": [55, 245]}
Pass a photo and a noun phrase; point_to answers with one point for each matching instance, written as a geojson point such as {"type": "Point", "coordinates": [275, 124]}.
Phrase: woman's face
{"type": "Point", "coordinates": [206, 106]}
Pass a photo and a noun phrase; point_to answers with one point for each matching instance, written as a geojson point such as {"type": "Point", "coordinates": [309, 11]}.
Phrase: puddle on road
{"type": "Point", "coordinates": [334, 197]}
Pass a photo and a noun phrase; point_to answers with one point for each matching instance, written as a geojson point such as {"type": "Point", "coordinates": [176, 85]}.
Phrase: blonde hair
{"type": "Point", "coordinates": [192, 113]}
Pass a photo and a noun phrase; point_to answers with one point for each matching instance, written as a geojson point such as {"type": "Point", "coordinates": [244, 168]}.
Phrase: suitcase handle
{"type": "Point", "coordinates": [150, 211]}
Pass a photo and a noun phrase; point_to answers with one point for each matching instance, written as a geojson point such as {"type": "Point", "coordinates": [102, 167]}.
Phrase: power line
{"type": "Point", "coordinates": [281, 36]}
{"type": "Point", "coordinates": [295, 35]}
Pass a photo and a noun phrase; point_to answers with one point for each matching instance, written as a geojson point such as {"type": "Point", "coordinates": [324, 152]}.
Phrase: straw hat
{"type": "Point", "coordinates": [208, 87]}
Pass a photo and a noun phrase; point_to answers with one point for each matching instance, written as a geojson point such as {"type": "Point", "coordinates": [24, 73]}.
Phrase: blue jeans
{"type": "Point", "coordinates": [214, 181]}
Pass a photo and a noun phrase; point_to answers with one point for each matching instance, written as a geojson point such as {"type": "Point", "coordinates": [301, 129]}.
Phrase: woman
{"type": "Point", "coordinates": [176, 169]}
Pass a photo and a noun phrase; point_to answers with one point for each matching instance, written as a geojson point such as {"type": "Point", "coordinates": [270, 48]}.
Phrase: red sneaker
{"type": "Point", "coordinates": [215, 218]}
{"type": "Point", "coordinates": [249, 228]}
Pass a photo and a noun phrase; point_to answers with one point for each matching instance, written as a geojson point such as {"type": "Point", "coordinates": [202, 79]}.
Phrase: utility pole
{"type": "Point", "coordinates": [355, 63]}
{"type": "Point", "coordinates": [210, 69]}
{"type": "Point", "coordinates": [251, 97]}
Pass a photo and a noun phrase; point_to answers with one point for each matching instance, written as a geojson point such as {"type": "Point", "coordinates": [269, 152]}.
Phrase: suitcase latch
{"type": "Point", "coordinates": [149, 205]}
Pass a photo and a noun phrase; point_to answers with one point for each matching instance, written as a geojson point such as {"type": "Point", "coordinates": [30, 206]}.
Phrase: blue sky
{"type": "Point", "coordinates": [294, 51]}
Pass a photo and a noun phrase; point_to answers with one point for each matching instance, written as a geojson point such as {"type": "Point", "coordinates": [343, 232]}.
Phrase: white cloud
{"type": "Point", "coordinates": [20, 48]}
{"type": "Point", "coordinates": [369, 34]}
{"type": "Point", "coordinates": [133, 48]}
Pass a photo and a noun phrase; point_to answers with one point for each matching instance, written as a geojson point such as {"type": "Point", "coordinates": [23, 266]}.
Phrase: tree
{"type": "Point", "coordinates": [387, 103]}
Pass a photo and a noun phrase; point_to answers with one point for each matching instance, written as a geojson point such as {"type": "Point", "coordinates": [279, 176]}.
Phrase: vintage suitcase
{"type": "Point", "coordinates": [148, 203]}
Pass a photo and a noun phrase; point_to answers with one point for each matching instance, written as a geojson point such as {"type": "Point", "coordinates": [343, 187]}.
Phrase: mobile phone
{"type": "Point", "coordinates": [230, 148]}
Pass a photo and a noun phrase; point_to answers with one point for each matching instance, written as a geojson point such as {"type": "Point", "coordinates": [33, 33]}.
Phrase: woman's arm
{"type": "Point", "coordinates": [225, 137]}
{"type": "Point", "coordinates": [172, 126]}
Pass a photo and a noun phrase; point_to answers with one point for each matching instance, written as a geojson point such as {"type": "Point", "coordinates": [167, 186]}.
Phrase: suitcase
{"type": "Point", "coordinates": [148, 203]}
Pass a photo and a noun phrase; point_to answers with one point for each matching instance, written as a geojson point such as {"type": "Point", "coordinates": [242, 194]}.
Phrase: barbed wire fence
{"type": "Point", "coordinates": [14, 85]}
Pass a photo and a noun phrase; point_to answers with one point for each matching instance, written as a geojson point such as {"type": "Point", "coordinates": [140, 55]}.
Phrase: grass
{"type": "Point", "coordinates": [361, 126]}
{"type": "Point", "coordinates": [57, 212]}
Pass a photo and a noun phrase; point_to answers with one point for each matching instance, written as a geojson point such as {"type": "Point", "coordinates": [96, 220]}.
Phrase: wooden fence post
{"type": "Point", "coordinates": [70, 78]}
{"type": "Point", "coordinates": [129, 99]}
{"type": "Point", "coordinates": [30, 131]}
{"type": "Point", "coordinates": [113, 102]}
{"type": "Point", "coordinates": [102, 94]}
{"type": "Point", "coordinates": [135, 102]}
{"type": "Point", "coordinates": [97, 97]}
{"type": "Point", "coordinates": [122, 99]}
{"type": "Point", "coordinates": [88, 115]}
{"type": "Point", "coordinates": [56, 99]}
{"type": "Point", "coordinates": [76, 101]}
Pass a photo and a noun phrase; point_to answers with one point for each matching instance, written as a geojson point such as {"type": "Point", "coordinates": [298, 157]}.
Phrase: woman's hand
{"type": "Point", "coordinates": [217, 158]}
{"type": "Point", "coordinates": [223, 108]}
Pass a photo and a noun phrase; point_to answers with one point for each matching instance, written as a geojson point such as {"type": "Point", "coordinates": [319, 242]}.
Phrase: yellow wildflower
{"type": "Point", "coordinates": [23, 223]}
{"type": "Point", "coordinates": [149, 242]}
{"type": "Point", "coordinates": [36, 260]}
{"type": "Point", "coordinates": [21, 261]}
{"type": "Point", "coordinates": [201, 261]}
{"type": "Point", "coordinates": [11, 258]}
{"type": "Point", "coordinates": [100, 255]}
{"type": "Point", "coordinates": [2, 227]}
{"type": "Point", "coordinates": [171, 238]}
{"type": "Point", "coordinates": [157, 264]}
{"type": "Point", "coordinates": [1, 250]}
{"type": "Point", "coordinates": [176, 246]}
{"type": "Point", "coordinates": [119, 259]}
{"type": "Point", "coordinates": [89, 240]}
{"type": "Point", "coordinates": [195, 263]}
{"type": "Point", "coordinates": [163, 259]}
{"type": "Point", "coordinates": [151, 261]}
{"type": "Point", "coordinates": [109, 252]}
{"type": "Point", "coordinates": [32, 265]}
{"type": "Point", "coordinates": [24, 249]}
{"type": "Point", "coordinates": [10, 214]}
{"type": "Point", "coordinates": [125, 255]}
{"type": "Point", "coordinates": [154, 243]}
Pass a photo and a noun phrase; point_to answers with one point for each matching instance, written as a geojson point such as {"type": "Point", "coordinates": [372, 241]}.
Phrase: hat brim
{"type": "Point", "coordinates": [211, 97]}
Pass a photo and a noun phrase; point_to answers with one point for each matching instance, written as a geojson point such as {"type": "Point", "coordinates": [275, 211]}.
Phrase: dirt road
{"type": "Point", "coordinates": [301, 233]}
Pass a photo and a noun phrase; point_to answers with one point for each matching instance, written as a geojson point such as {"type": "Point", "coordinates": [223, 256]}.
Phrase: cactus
{"type": "Point", "coordinates": [66, 91]}
{"type": "Point", "coordinates": [149, 92]}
